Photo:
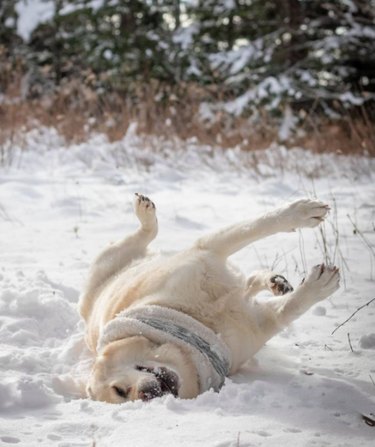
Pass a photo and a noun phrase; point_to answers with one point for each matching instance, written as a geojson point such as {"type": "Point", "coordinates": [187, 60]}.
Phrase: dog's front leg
{"type": "Point", "coordinates": [120, 254]}
{"type": "Point", "coordinates": [123, 252]}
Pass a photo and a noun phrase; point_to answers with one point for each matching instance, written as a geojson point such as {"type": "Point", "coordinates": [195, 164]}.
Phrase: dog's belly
{"type": "Point", "coordinates": [192, 281]}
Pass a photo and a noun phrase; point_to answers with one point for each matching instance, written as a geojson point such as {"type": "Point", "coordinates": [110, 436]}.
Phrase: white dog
{"type": "Point", "coordinates": [181, 324]}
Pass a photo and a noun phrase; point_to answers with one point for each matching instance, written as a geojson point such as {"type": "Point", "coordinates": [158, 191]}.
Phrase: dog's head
{"type": "Point", "coordinates": [135, 368]}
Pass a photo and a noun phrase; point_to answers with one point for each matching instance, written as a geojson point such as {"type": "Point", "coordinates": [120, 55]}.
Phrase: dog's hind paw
{"type": "Point", "coordinates": [304, 213]}
{"type": "Point", "coordinates": [279, 285]}
{"type": "Point", "coordinates": [322, 281]}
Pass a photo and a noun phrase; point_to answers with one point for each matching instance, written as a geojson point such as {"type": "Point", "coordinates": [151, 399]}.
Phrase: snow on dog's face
{"type": "Point", "coordinates": [135, 368]}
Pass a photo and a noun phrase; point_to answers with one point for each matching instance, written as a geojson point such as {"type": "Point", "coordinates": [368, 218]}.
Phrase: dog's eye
{"type": "Point", "coordinates": [121, 392]}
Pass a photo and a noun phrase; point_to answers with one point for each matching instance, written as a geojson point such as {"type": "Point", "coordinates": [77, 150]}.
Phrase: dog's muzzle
{"type": "Point", "coordinates": [164, 381]}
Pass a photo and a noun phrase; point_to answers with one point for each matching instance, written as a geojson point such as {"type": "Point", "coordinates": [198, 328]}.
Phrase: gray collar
{"type": "Point", "coordinates": [164, 325]}
{"type": "Point", "coordinates": [219, 362]}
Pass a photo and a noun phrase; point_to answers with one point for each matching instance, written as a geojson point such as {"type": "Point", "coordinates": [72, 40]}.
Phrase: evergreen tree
{"type": "Point", "coordinates": [269, 54]}
{"type": "Point", "coordinates": [297, 52]}
{"type": "Point", "coordinates": [11, 45]}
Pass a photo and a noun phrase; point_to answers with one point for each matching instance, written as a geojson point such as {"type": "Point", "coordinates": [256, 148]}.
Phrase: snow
{"type": "Point", "coordinates": [288, 124]}
{"type": "Point", "coordinates": [271, 86]}
{"type": "Point", "coordinates": [31, 13]}
{"type": "Point", "coordinates": [367, 341]}
{"type": "Point", "coordinates": [93, 4]}
{"type": "Point", "coordinates": [60, 204]}
{"type": "Point", "coordinates": [184, 36]}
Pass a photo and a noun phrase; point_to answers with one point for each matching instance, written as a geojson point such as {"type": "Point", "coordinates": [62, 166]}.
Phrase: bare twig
{"type": "Point", "coordinates": [5, 216]}
{"type": "Point", "coordinates": [372, 380]}
{"type": "Point", "coordinates": [352, 315]}
{"type": "Point", "coordinates": [350, 343]}
{"type": "Point", "coordinates": [367, 244]}
{"type": "Point", "coordinates": [323, 234]}
{"type": "Point", "coordinates": [362, 236]}
{"type": "Point", "coordinates": [302, 251]}
{"type": "Point", "coordinates": [338, 252]}
{"type": "Point", "coordinates": [369, 420]}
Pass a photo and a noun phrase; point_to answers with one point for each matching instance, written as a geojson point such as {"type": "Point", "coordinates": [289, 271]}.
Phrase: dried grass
{"type": "Point", "coordinates": [76, 111]}
{"type": "Point", "coordinates": [354, 134]}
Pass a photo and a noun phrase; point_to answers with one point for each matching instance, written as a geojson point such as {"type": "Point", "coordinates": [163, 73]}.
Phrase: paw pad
{"type": "Point", "coordinates": [144, 200]}
{"type": "Point", "coordinates": [280, 285]}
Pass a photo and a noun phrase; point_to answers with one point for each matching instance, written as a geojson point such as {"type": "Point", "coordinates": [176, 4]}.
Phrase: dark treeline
{"type": "Point", "coordinates": [245, 55]}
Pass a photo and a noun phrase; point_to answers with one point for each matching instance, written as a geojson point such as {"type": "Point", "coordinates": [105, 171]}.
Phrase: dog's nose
{"type": "Point", "coordinates": [150, 391]}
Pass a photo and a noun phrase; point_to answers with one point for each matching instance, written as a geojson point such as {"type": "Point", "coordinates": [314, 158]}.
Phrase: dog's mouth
{"type": "Point", "coordinates": [166, 379]}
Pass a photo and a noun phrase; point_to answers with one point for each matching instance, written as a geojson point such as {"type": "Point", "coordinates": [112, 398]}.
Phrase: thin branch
{"type": "Point", "coordinates": [361, 235]}
{"type": "Point", "coordinates": [352, 315]}
{"type": "Point", "coordinates": [369, 420]}
{"type": "Point", "coordinates": [238, 439]}
{"type": "Point", "coordinates": [350, 343]}
{"type": "Point", "coordinates": [372, 380]}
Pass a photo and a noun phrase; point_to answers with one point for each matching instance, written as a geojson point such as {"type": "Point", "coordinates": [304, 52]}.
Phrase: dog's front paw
{"type": "Point", "coordinates": [305, 213]}
{"type": "Point", "coordinates": [322, 281]}
{"type": "Point", "coordinates": [145, 210]}
{"type": "Point", "coordinates": [279, 285]}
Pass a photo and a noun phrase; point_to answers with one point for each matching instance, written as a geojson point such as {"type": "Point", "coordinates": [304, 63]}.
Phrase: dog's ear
{"type": "Point", "coordinates": [66, 386]}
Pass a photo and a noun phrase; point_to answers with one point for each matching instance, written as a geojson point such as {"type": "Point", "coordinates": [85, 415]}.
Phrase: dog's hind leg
{"type": "Point", "coordinates": [299, 214]}
{"type": "Point", "coordinates": [267, 280]}
{"type": "Point", "coordinates": [258, 321]}
{"type": "Point", "coordinates": [120, 254]}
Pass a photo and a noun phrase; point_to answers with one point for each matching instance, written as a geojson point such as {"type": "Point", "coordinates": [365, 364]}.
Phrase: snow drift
{"type": "Point", "coordinates": [59, 205]}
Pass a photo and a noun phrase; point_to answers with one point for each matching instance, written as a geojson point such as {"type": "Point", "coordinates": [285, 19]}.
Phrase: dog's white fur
{"type": "Point", "coordinates": [199, 282]}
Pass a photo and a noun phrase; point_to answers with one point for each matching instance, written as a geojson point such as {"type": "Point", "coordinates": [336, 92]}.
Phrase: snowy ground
{"type": "Point", "coordinates": [59, 206]}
